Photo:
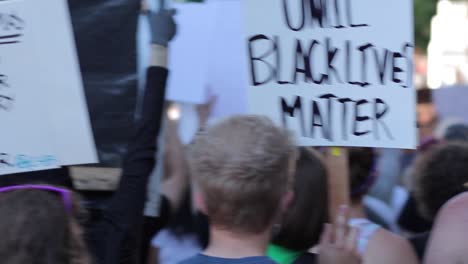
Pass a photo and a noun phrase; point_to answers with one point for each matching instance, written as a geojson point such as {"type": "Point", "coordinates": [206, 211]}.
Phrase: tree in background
{"type": "Point", "coordinates": [424, 10]}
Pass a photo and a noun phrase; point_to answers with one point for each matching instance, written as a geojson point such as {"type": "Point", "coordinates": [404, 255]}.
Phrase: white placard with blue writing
{"type": "Point", "coordinates": [55, 46]}
{"type": "Point", "coordinates": [337, 73]}
{"type": "Point", "coordinates": [33, 91]}
{"type": "Point", "coordinates": [24, 116]}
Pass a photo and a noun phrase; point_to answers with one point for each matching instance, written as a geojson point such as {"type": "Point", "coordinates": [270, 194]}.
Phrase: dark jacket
{"type": "Point", "coordinates": [119, 231]}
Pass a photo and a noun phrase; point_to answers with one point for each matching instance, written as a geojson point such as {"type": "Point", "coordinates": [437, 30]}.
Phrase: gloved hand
{"type": "Point", "coordinates": [162, 25]}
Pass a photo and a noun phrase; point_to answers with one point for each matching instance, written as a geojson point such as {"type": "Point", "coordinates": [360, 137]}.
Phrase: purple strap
{"type": "Point", "coordinates": [64, 193]}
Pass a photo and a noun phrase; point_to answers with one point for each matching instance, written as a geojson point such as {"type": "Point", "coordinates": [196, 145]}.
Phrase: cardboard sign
{"type": "Point", "coordinates": [43, 115]}
{"type": "Point", "coordinates": [337, 73]}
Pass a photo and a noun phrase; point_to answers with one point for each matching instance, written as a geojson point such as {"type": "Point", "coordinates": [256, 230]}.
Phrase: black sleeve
{"type": "Point", "coordinates": [152, 226]}
{"type": "Point", "coordinates": [411, 220]}
{"type": "Point", "coordinates": [419, 243]}
{"type": "Point", "coordinates": [118, 231]}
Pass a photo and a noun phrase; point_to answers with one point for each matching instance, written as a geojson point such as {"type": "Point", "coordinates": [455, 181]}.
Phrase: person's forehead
{"type": "Point", "coordinates": [426, 108]}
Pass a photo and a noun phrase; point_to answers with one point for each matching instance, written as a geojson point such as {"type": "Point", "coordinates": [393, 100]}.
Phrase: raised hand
{"type": "Point", "coordinates": [162, 25]}
{"type": "Point", "coordinates": [339, 242]}
{"type": "Point", "coordinates": [204, 110]}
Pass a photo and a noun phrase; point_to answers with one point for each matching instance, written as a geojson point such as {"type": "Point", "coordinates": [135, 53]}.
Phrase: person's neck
{"type": "Point", "coordinates": [231, 244]}
{"type": "Point", "coordinates": [357, 210]}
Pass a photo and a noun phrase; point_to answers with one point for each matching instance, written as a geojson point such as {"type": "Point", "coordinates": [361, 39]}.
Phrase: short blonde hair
{"type": "Point", "coordinates": [242, 167]}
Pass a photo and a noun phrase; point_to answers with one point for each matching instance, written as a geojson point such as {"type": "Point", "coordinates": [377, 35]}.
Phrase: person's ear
{"type": "Point", "coordinates": [200, 204]}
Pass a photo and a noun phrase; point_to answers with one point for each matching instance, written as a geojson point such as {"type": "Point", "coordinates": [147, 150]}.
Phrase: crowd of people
{"type": "Point", "coordinates": [243, 193]}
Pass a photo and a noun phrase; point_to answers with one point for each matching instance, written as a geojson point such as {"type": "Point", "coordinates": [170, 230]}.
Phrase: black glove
{"type": "Point", "coordinates": [163, 27]}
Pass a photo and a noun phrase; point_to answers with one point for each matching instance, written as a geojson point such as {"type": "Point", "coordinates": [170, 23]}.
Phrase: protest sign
{"type": "Point", "coordinates": [337, 73]}
{"type": "Point", "coordinates": [25, 127]}
{"type": "Point", "coordinates": [227, 65]}
{"type": "Point", "coordinates": [42, 111]}
{"type": "Point", "coordinates": [189, 52]}
{"type": "Point", "coordinates": [450, 103]}
{"type": "Point", "coordinates": [199, 63]}
{"type": "Point", "coordinates": [67, 104]}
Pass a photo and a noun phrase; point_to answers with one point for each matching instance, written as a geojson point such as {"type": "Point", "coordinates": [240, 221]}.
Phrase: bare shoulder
{"type": "Point", "coordinates": [448, 238]}
{"type": "Point", "coordinates": [385, 247]}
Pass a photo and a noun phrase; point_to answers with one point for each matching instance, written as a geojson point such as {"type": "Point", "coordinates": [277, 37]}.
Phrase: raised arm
{"type": "Point", "coordinates": [121, 221]}
{"type": "Point", "coordinates": [337, 163]}
{"type": "Point", "coordinates": [176, 183]}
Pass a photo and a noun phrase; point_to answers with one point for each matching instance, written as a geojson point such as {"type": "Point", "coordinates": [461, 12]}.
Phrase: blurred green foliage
{"type": "Point", "coordinates": [424, 10]}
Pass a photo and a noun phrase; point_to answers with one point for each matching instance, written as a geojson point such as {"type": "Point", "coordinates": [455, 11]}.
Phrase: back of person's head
{"type": "Point", "coordinates": [36, 228]}
{"type": "Point", "coordinates": [362, 172]}
{"type": "Point", "coordinates": [456, 132]}
{"type": "Point", "coordinates": [304, 219]}
{"type": "Point", "coordinates": [424, 96]}
{"type": "Point", "coordinates": [427, 119]}
{"type": "Point", "coordinates": [441, 174]}
{"type": "Point", "coordinates": [242, 168]}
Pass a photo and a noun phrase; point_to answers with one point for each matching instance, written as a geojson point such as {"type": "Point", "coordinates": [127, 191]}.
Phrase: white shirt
{"type": "Point", "coordinates": [366, 230]}
{"type": "Point", "coordinates": [172, 249]}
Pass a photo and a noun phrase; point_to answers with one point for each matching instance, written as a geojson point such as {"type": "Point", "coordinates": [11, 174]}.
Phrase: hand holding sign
{"type": "Point", "coordinates": [163, 27]}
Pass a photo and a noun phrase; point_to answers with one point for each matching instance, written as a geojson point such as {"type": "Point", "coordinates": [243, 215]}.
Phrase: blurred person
{"type": "Point", "coordinates": [390, 169]}
{"type": "Point", "coordinates": [427, 117]}
{"type": "Point", "coordinates": [376, 244]}
{"type": "Point", "coordinates": [302, 223]}
{"type": "Point", "coordinates": [456, 132]}
{"type": "Point", "coordinates": [186, 231]}
{"type": "Point", "coordinates": [185, 236]}
{"type": "Point", "coordinates": [411, 217]}
{"type": "Point", "coordinates": [392, 164]}
{"type": "Point", "coordinates": [440, 175]}
{"type": "Point", "coordinates": [243, 171]}
{"type": "Point", "coordinates": [448, 241]}
{"type": "Point", "coordinates": [39, 224]}
{"type": "Point", "coordinates": [175, 181]}
{"type": "Point", "coordinates": [118, 235]}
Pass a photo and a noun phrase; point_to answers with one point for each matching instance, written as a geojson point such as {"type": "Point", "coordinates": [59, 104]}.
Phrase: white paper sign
{"type": "Point", "coordinates": [227, 64]}
{"type": "Point", "coordinates": [43, 114]}
{"type": "Point", "coordinates": [69, 112]}
{"type": "Point", "coordinates": [337, 73]}
{"type": "Point", "coordinates": [207, 56]}
{"type": "Point", "coordinates": [189, 51]}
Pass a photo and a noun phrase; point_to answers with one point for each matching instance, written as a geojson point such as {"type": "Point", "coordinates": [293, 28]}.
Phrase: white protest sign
{"type": "Point", "coordinates": [337, 73]}
{"type": "Point", "coordinates": [227, 64]}
{"type": "Point", "coordinates": [59, 65]}
{"type": "Point", "coordinates": [207, 57]}
{"type": "Point", "coordinates": [189, 51]}
{"type": "Point", "coordinates": [43, 114]}
{"type": "Point", "coordinates": [24, 118]}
